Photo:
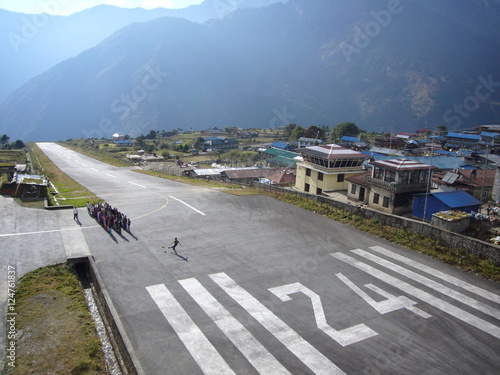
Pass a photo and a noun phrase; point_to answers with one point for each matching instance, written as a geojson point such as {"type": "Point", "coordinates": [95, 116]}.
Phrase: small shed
{"type": "Point", "coordinates": [443, 201]}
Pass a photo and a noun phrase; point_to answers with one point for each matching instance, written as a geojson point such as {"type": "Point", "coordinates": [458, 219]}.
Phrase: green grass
{"type": "Point", "coordinates": [12, 156]}
{"type": "Point", "coordinates": [74, 193]}
{"type": "Point", "coordinates": [118, 159]}
{"type": "Point", "coordinates": [56, 333]}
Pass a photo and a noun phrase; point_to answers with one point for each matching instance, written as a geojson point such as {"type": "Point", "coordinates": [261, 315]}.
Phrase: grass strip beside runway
{"type": "Point", "coordinates": [55, 332]}
{"type": "Point", "coordinates": [68, 188]}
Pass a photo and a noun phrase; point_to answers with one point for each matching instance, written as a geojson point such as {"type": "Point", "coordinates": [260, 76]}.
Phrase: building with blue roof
{"type": "Point", "coordinates": [461, 140]}
{"type": "Point", "coordinates": [443, 201]}
{"type": "Point", "coordinates": [489, 138]}
{"type": "Point", "coordinates": [283, 146]}
{"type": "Point", "coordinates": [353, 142]}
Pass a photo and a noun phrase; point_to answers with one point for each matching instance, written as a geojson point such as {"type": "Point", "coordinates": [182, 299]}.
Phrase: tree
{"type": "Point", "coordinates": [349, 129]}
{"type": "Point", "coordinates": [287, 133]}
{"type": "Point", "coordinates": [315, 132]}
{"type": "Point", "coordinates": [198, 144]}
{"type": "Point", "coordinates": [297, 132]}
{"type": "Point", "coordinates": [139, 141]}
{"type": "Point", "coordinates": [442, 130]}
{"type": "Point", "coordinates": [4, 139]}
{"type": "Point", "coordinates": [151, 135]}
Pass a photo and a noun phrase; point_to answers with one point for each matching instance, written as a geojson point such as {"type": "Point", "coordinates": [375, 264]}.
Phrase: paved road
{"type": "Point", "coordinates": [261, 286]}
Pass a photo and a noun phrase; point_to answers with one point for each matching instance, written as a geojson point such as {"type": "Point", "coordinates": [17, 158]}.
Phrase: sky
{"type": "Point", "coordinates": [66, 7]}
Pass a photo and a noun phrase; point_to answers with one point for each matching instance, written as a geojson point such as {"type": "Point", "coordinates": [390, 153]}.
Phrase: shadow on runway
{"type": "Point", "coordinates": [180, 256]}
{"type": "Point", "coordinates": [113, 237]}
{"type": "Point", "coordinates": [130, 232]}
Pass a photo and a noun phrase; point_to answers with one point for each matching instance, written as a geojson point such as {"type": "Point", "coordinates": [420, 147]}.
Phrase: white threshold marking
{"type": "Point", "coordinates": [188, 205]}
{"type": "Point", "coordinates": [110, 175]}
{"type": "Point", "coordinates": [302, 349]}
{"type": "Point", "coordinates": [260, 358]}
{"type": "Point", "coordinates": [344, 337]}
{"type": "Point", "coordinates": [202, 351]}
{"type": "Point", "coordinates": [95, 169]}
{"type": "Point", "coordinates": [133, 183]}
{"type": "Point", "coordinates": [441, 275]}
{"type": "Point", "coordinates": [469, 301]}
{"type": "Point", "coordinates": [422, 295]}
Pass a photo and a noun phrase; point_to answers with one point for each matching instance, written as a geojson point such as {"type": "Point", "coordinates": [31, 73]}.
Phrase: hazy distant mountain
{"type": "Point", "coordinates": [31, 44]}
{"type": "Point", "coordinates": [384, 65]}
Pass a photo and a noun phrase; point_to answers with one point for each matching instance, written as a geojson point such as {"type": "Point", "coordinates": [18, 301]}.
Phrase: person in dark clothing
{"type": "Point", "coordinates": [174, 244]}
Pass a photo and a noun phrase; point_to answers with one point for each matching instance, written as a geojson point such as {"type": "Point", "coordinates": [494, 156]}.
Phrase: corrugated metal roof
{"type": "Point", "coordinates": [332, 151]}
{"type": "Point", "coordinates": [349, 139]}
{"type": "Point", "coordinates": [401, 164]}
{"type": "Point", "coordinates": [490, 134]}
{"type": "Point", "coordinates": [456, 199]}
{"type": "Point", "coordinates": [463, 136]}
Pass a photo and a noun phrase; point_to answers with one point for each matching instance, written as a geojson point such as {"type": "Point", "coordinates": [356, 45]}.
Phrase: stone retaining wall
{"type": "Point", "coordinates": [118, 336]}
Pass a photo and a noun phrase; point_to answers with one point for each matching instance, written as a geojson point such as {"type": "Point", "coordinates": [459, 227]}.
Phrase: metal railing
{"type": "Point", "coordinates": [395, 187]}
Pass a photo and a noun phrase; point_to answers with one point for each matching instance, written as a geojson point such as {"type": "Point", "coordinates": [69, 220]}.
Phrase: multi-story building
{"type": "Point", "coordinates": [393, 183]}
{"type": "Point", "coordinates": [325, 168]}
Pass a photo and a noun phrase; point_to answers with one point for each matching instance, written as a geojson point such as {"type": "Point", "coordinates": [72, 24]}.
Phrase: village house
{"type": "Point", "coordinates": [462, 140]}
{"type": "Point", "coordinates": [354, 143]}
{"type": "Point", "coordinates": [432, 203]}
{"type": "Point", "coordinates": [220, 144]}
{"type": "Point", "coordinates": [392, 183]}
{"type": "Point", "coordinates": [478, 183]}
{"type": "Point", "coordinates": [308, 142]}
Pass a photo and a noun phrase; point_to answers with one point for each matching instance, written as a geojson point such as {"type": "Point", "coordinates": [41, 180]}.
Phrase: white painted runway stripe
{"type": "Point", "coordinates": [188, 205]}
{"type": "Point", "coordinates": [133, 183]}
{"type": "Point", "coordinates": [302, 349]}
{"type": "Point", "coordinates": [110, 175]}
{"type": "Point", "coordinates": [249, 346]}
{"type": "Point", "coordinates": [441, 275]}
{"type": "Point", "coordinates": [422, 295]}
{"type": "Point", "coordinates": [203, 352]}
{"type": "Point", "coordinates": [469, 301]}
{"type": "Point", "coordinates": [83, 164]}
{"type": "Point", "coordinates": [39, 232]}
{"type": "Point", "coordinates": [95, 169]}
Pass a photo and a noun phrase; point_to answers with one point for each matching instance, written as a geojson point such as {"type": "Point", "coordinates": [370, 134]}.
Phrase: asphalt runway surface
{"type": "Point", "coordinates": [263, 287]}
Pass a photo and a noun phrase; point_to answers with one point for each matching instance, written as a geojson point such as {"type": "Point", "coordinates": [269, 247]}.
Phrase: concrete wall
{"type": "Point", "coordinates": [481, 249]}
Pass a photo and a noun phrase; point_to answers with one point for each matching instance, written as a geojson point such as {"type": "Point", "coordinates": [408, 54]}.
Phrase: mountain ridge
{"type": "Point", "coordinates": [272, 66]}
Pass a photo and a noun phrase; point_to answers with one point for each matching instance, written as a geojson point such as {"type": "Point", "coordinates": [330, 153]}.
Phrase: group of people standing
{"type": "Point", "coordinates": [108, 217]}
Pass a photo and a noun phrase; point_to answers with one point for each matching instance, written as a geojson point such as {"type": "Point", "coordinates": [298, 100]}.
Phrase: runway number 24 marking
{"type": "Point", "coordinates": [355, 333]}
